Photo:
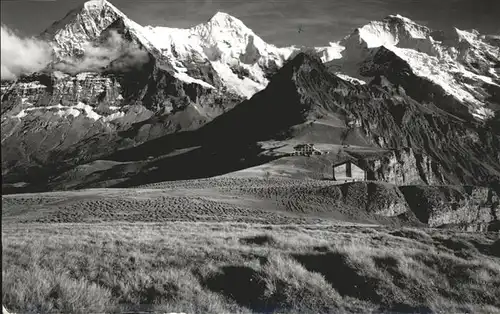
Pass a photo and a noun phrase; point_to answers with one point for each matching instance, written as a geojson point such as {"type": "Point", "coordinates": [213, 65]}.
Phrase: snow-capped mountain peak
{"type": "Point", "coordinates": [97, 4]}
{"type": "Point", "coordinates": [226, 20]}
{"type": "Point", "coordinates": [458, 61]}
{"type": "Point", "coordinates": [81, 25]}
{"type": "Point", "coordinates": [392, 30]}
{"type": "Point", "coordinates": [235, 52]}
{"type": "Point", "coordinates": [225, 37]}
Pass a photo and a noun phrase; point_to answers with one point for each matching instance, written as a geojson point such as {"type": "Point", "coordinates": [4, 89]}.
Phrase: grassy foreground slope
{"type": "Point", "coordinates": [241, 268]}
{"type": "Point", "coordinates": [246, 245]}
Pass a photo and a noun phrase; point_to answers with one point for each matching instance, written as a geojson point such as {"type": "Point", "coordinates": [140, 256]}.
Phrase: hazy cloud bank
{"type": "Point", "coordinates": [114, 53]}
{"type": "Point", "coordinates": [22, 55]}
{"type": "Point", "coordinates": [27, 55]}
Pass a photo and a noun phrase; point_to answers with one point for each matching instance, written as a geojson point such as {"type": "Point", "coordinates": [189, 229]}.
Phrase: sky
{"type": "Point", "coordinates": [275, 21]}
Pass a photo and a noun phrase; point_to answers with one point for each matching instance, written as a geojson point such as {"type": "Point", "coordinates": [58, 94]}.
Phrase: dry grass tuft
{"type": "Point", "coordinates": [243, 268]}
{"type": "Point", "coordinates": [264, 239]}
{"type": "Point", "coordinates": [40, 290]}
{"type": "Point", "coordinates": [288, 285]}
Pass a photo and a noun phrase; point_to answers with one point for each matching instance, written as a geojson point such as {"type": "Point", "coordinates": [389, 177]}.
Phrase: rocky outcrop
{"type": "Point", "coordinates": [464, 208]}
{"type": "Point", "coordinates": [406, 167]}
{"type": "Point", "coordinates": [375, 198]}
{"type": "Point", "coordinates": [467, 208]}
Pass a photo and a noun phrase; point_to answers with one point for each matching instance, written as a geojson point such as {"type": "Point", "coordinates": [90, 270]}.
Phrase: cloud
{"type": "Point", "coordinates": [22, 55]}
{"type": "Point", "coordinates": [114, 53]}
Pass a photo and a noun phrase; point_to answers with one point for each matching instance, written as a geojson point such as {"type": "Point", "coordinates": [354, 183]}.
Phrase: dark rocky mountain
{"type": "Point", "coordinates": [306, 102]}
{"type": "Point", "coordinates": [110, 101]}
{"type": "Point", "coordinates": [114, 84]}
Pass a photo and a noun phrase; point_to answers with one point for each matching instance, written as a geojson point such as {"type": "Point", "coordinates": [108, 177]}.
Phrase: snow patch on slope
{"type": "Point", "coordinates": [444, 74]}
{"type": "Point", "coordinates": [494, 72]}
{"type": "Point", "coordinates": [21, 114]}
{"type": "Point", "coordinates": [329, 53]}
{"type": "Point", "coordinates": [75, 111]}
{"type": "Point", "coordinates": [68, 112]}
{"type": "Point", "coordinates": [188, 79]}
{"type": "Point", "coordinates": [113, 116]}
{"type": "Point", "coordinates": [245, 87]}
{"type": "Point", "coordinates": [350, 79]}
{"type": "Point", "coordinates": [89, 111]}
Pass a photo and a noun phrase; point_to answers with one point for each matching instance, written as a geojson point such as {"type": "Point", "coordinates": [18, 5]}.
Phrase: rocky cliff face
{"type": "Point", "coordinates": [466, 208]}
{"type": "Point", "coordinates": [57, 119]}
{"type": "Point", "coordinates": [406, 167]}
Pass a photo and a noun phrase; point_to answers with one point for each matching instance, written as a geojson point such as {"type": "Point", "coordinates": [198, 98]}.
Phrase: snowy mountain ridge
{"type": "Point", "coordinates": [242, 59]}
{"type": "Point", "coordinates": [224, 41]}
{"type": "Point", "coordinates": [464, 64]}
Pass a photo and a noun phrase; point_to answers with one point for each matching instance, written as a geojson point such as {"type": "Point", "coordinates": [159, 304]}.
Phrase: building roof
{"type": "Point", "coordinates": [355, 162]}
{"type": "Point", "coordinates": [304, 145]}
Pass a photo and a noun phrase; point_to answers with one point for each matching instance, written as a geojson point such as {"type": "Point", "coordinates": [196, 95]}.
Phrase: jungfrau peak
{"type": "Point", "coordinates": [394, 30]}
{"type": "Point", "coordinates": [458, 64]}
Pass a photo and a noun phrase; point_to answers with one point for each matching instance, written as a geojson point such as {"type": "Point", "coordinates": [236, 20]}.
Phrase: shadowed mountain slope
{"type": "Point", "coordinates": [306, 102]}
